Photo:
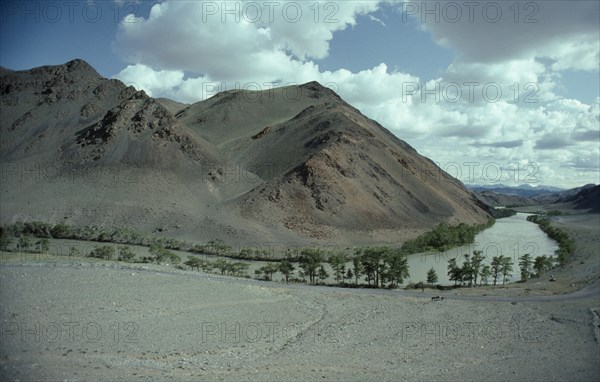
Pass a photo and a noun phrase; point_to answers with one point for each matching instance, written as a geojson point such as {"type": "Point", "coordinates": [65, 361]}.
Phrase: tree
{"type": "Point", "coordinates": [506, 268]}
{"type": "Point", "coordinates": [43, 245]}
{"type": "Point", "coordinates": [207, 266]}
{"type": "Point", "coordinates": [432, 276]}
{"type": "Point", "coordinates": [126, 254]}
{"type": "Point", "coordinates": [496, 266]}
{"type": "Point", "coordinates": [526, 266]}
{"type": "Point", "coordinates": [397, 267]}
{"type": "Point", "coordinates": [158, 253]}
{"type": "Point", "coordinates": [173, 258]}
{"type": "Point", "coordinates": [322, 274]}
{"type": "Point", "coordinates": [338, 264]}
{"type": "Point", "coordinates": [454, 272]}
{"type": "Point", "coordinates": [357, 267]}
{"type": "Point", "coordinates": [221, 265]}
{"type": "Point", "coordinates": [310, 260]}
{"type": "Point", "coordinates": [286, 268]}
{"type": "Point", "coordinates": [349, 275]}
{"type": "Point", "coordinates": [239, 269]}
{"type": "Point", "coordinates": [371, 259]}
{"type": "Point", "coordinates": [541, 264]}
{"type": "Point", "coordinates": [486, 271]}
{"type": "Point", "coordinates": [6, 240]}
{"type": "Point", "coordinates": [267, 270]}
{"type": "Point", "coordinates": [24, 242]}
{"type": "Point", "coordinates": [105, 252]}
{"type": "Point", "coordinates": [193, 262]}
{"type": "Point", "coordinates": [476, 262]}
{"type": "Point", "coordinates": [61, 231]}
{"type": "Point", "coordinates": [467, 270]}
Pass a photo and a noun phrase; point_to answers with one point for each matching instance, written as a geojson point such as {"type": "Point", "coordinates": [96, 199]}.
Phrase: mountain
{"type": "Point", "coordinates": [580, 198]}
{"type": "Point", "coordinates": [523, 190]}
{"type": "Point", "coordinates": [494, 199]}
{"type": "Point", "coordinates": [289, 165]}
{"type": "Point", "coordinates": [562, 196]}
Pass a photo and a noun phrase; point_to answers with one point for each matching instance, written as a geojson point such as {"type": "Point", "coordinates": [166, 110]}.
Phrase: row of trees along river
{"type": "Point", "coordinates": [505, 250]}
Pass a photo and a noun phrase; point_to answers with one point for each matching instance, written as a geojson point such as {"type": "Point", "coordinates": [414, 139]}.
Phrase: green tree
{"type": "Point", "coordinates": [267, 271]}
{"type": "Point", "coordinates": [239, 268]}
{"type": "Point", "coordinates": [467, 270]}
{"type": "Point", "coordinates": [349, 275]}
{"type": "Point", "coordinates": [193, 262]}
{"type": "Point", "coordinates": [24, 242]}
{"type": "Point", "coordinates": [397, 267]}
{"type": "Point", "coordinates": [506, 268]}
{"type": "Point", "coordinates": [310, 260]}
{"type": "Point", "coordinates": [357, 267]}
{"type": "Point", "coordinates": [476, 262]}
{"type": "Point", "coordinates": [126, 254]}
{"type": "Point", "coordinates": [6, 239]}
{"type": "Point", "coordinates": [221, 265]}
{"type": "Point", "coordinates": [173, 258]}
{"type": "Point", "coordinates": [372, 259]}
{"type": "Point", "coordinates": [42, 245]}
{"type": "Point", "coordinates": [486, 271]}
{"type": "Point", "coordinates": [286, 268]}
{"type": "Point", "coordinates": [432, 276]}
{"type": "Point", "coordinates": [454, 271]}
{"type": "Point", "coordinates": [526, 266]}
{"type": "Point", "coordinates": [541, 264]}
{"type": "Point", "coordinates": [105, 252]}
{"type": "Point", "coordinates": [159, 254]}
{"type": "Point", "coordinates": [322, 274]}
{"type": "Point", "coordinates": [207, 266]}
{"type": "Point", "coordinates": [61, 231]}
{"type": "Point", "coordinates": [496, 267]}
{"type": "Point", "coordinates": [338, 264]}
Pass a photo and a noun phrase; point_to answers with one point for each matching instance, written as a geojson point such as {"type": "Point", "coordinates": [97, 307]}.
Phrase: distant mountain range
{"type": "Point", "coordinates": [579, 197]}
{"type": "Point", "coordinates": [525, 190]}
{"type": "Point", "coordinates": [288, 165]}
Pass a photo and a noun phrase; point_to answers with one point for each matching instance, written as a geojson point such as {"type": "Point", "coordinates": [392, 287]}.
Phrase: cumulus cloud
{"type": "Point", "coordinates": [495, 31]}
{"type": "Point", "coordinates": [495, 103]}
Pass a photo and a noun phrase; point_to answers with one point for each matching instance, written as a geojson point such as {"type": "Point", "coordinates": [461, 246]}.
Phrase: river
{"type": "Point", "coordinates": [512, 236]}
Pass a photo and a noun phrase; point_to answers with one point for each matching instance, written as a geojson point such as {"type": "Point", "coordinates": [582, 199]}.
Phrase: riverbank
{"type": "Point", "coordinates": [105, 320]}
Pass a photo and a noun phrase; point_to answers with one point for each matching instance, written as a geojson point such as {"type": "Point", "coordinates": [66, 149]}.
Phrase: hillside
{"type": "Point", "coordinates": [495, 199]}
{"type": "Point", "coordinates": [294, 164]}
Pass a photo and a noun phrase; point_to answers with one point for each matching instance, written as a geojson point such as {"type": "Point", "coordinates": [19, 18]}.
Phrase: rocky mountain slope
{"type": "Point", "coordinates": [293, 164]}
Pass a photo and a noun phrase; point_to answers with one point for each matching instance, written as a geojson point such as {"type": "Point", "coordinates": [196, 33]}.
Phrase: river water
{"type": "Point", "coordinates": [513, 236]}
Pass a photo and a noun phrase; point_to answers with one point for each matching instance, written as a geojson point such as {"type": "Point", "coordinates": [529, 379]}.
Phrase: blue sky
{"type": "Point", "coordinates": [379, 55]}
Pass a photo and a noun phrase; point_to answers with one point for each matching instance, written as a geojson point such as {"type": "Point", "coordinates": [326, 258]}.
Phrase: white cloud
{"type": "Point", "coordinates": [156, 83]}
{"type": "Point", "coordinates": [184, 49]}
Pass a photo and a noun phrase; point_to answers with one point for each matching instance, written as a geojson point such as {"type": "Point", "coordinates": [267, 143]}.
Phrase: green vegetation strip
{"type": "Point", "coordinates": [566, 245]}
{"type": "Point", "coordinates": [379, 267]}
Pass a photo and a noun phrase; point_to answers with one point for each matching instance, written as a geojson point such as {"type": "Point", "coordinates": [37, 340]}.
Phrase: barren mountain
{"type": "Point", "coordinates": [494, 199]}
{"type": "Point", "coordinates": [580, 198]}
{"type": "Point", "coordinates": [288, 164]}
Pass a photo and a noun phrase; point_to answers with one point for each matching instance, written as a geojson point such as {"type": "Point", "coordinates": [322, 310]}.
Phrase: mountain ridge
{"type": "Point", "coordinates": [289, 164]}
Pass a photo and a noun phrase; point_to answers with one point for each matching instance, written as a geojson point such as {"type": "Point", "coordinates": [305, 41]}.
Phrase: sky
{"type": "Point", "coordinates": [492, 91]}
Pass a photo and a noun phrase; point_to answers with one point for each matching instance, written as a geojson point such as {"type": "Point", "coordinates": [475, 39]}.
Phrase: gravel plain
{"type": "Point", "coordinates": [81, 321]}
